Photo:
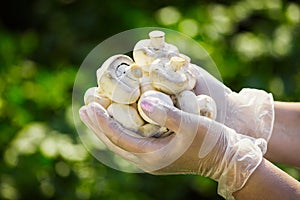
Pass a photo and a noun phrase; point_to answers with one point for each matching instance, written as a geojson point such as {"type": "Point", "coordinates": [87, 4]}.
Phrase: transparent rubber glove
{"type": "Point", "coordinates": [197, 146]}
{"type": "Point", "coordinates": [249, 112]}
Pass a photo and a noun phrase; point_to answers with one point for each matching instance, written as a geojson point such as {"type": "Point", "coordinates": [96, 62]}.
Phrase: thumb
{"type": "Point", "coordinates": [171, 117]}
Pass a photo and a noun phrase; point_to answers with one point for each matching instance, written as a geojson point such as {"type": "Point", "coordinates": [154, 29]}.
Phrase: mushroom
{"type": "Point", "coordinates": [202, 104]}
{"type": "Point", "coordinates": [207, 106]}
{"type": "Point", "coordinates": [172, 77]}
{"type": "Point", "coordinates": [152, 130]}
{"type": "Point", "coordinates": [93, 95]}
{"type": "Point", "coordinates": [126, 115]}
{"type": "Point", "coordinates": [148, 50]}
{"type": "Point", "coordinates": [187, 101]}
{"type": "Point", "coordinates": [118, 79]}
{"type": "Point", "coordinates": [129, 118]}
{"type": "Point", "coordinates": [159, 72]}
{"type": "Point", "coordinates": [146, 84]}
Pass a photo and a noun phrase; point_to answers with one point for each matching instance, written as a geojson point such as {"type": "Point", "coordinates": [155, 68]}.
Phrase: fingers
{"type": "Point", "coordinates": [173, 118]}
{"type": "Point", "coordinates": [117, 134]}
{"type": "Point", "coordinates": [88, 122]}
{"type": "Point", "coordinates": [148, 154]}
{"type": "Point", "coordinates": [193, 133]}
{"type": "Point", "coordinates": [196, 133]}
{"type": "Point", "coordinates": [209, 85]}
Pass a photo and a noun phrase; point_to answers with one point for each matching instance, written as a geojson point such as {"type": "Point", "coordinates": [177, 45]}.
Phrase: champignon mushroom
{"type": "Point", "coordinates": [118, 79]}
{"type": "Point", "coordinates": [187, 101]}
{"type": "Point", "coordinates": [172, 77]}
{"type": "Point", "coordinates": [148, 50]}
{"type": "Point", "coordinates": [159, 72]}
{"type": "Point", "coordinates": [126, 115]}
{"type": "Point", "coordinates": [207, 106]}
{"type": "Point", "coordinates": [93, 95]}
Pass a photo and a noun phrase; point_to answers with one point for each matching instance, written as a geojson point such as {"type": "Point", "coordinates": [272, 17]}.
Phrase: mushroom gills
{"type": "Point", "coordinates": [118, 79]}
{"type": "Point", "coordinates": [152, 130]}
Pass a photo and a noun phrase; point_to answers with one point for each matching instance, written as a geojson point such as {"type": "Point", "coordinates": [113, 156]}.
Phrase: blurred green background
{"type": "Point", "coordinates": [254, 43]}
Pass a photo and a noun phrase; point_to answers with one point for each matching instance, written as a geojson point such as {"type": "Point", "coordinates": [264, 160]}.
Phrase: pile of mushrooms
{"type": "Point", "coordinates": [158, 70]}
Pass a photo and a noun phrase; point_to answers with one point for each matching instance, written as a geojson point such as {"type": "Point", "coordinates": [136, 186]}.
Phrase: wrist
{"type": "Point", "coordinates": [269, 182]}
{"type": "Point", "coordinates": [232, 161]}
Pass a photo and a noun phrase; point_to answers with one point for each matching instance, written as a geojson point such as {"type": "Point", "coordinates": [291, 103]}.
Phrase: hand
{"type": "Point", "coordinates": [249, 112]}
{"type": "Point", "coordinates": [198, 145]}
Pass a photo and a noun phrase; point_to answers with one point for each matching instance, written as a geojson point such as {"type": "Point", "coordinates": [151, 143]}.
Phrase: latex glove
{"type": "Point", "coordinates": [197, 146]}
{"type": "Point", "coordinates": [249, 112]}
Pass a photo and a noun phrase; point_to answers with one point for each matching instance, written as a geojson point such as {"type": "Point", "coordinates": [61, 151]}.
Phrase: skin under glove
{"type": "Point", "coordinates": [197, 146]}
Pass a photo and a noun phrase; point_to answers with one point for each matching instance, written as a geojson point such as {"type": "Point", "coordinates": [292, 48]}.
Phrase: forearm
{"type": "Point", "coordinates": [269, 182]}
{"type": "Point", "coordinates": [284, 143]}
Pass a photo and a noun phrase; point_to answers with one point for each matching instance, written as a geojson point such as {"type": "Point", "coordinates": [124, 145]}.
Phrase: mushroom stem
{"type": "Point", "coordinates": [135, 71]}
{"type": "Point", "coordinates": [157, 39]}
{"type": "Point", "coordinates": [177, 62]}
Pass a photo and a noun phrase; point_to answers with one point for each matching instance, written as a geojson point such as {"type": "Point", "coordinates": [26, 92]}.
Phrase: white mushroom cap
{"type": "Point", "coordinates": [93, 95]}
{"type": "Point", "coordinates": [126, 115]}
{"type": "Point", "coordinates": [118, 79]}
{"type": "Point", "coordinates": [171, 77]}
{"type": "Point", "coordinates": [187, 101]}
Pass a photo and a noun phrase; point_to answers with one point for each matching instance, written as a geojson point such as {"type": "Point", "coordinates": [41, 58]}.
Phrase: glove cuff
{"type": "Point", "coordinates": [242, 156]}
{"type": "Point", "coordinates": [251, 112]}
{"type": "Point", "coordinates": [232, 160]}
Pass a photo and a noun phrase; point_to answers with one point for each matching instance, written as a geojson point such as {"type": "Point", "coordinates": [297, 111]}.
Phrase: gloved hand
{"type": "Point", "coordinates": [249, 112]}
{"type": "Point", "coordinates": [197, 146]}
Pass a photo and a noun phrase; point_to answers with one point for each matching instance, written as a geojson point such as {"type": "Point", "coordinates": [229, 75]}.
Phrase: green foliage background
{"type": "Point", "coordinates": [254, 43]}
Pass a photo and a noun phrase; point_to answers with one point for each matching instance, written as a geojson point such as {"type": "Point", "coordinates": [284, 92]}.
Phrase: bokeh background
{"type": "Point", "coordinates": [254, 43]}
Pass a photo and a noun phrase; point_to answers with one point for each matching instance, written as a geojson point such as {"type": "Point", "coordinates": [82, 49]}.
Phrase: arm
{"type": "Point", "coordinates": [198, 146]}
{"type": "Point", "coordinates": [217, 152]}
{"type": "Point", "coordinates": [269, 182]}
{"type": "Point", "coordinates": [284, 143]}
